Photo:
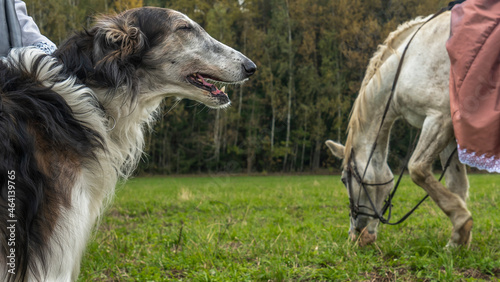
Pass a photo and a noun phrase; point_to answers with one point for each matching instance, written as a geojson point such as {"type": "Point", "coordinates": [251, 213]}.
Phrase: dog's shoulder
{"type": "Point", "coordinates": [39, 102]}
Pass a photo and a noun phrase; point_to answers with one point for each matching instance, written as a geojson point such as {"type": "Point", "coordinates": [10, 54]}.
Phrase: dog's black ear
{"type": "Point", "coordinates": [118, 49]}
{"type": "Point", "coordinates": [107, 55]}
{"type": "Point", "coordinates": [76, 55]}
{"type": "Point", "coordinates": [118, 39]}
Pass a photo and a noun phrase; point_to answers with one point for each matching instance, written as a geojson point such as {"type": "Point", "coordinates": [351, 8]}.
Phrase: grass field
{"type": "Point", "coordinates": [281, 228]}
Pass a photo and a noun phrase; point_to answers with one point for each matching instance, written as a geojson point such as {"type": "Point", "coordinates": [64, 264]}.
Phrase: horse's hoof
{"type": "Point", "coordinates": [461, 237]}
{"type": "Point", "coordinates": [465, 233]}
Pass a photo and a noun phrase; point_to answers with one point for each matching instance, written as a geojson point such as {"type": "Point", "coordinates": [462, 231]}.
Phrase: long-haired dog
{"type": "Point", "coordinates": [71, 125]}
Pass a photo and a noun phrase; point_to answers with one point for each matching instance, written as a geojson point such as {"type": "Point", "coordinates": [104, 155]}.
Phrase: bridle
{"type": "Point", "coordinates": [352, 168]}
{"type": "Point", "coordinates": [352, 172]}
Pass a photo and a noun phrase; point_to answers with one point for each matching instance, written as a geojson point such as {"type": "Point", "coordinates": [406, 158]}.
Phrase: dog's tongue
{"type": "Point", "coordinates": [213, 89]}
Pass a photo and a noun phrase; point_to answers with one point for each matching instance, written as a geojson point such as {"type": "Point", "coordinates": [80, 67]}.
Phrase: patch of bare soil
{"type": "Point", "coordinates": [383, 275]}
{"type": "Point", "coordinates": [176, 274]}
{"type": "Point", "coordinates": [475, 273]}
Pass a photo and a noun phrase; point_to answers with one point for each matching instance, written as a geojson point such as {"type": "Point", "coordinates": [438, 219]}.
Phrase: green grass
{"type": "Point", "coordinates": [281, 228]}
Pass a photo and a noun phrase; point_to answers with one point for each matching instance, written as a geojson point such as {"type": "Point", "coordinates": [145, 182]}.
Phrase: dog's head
{"type": "Point", "coordinates": [154, 53]}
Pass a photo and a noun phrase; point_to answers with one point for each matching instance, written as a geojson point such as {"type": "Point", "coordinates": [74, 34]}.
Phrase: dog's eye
{"type": "Point", "coordinates": [186, 27]}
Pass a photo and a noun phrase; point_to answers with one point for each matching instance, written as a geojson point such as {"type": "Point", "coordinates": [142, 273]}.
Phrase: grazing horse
{"type": "Point", "coordinates": [421, 97]}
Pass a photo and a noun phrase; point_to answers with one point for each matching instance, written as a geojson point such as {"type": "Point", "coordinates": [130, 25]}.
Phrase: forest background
{"type": "Point", "coordinates": [311, 57]}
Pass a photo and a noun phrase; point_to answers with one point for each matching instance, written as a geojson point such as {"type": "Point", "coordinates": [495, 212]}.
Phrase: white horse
{"type": "Point", "coordinates": [421, 98]}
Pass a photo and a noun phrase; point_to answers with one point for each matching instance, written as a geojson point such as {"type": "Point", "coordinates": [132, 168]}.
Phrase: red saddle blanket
{"type": "Point", "coordinates": [474, 50]}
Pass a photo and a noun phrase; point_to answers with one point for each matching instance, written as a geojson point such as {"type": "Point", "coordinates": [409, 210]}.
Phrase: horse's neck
{"type": "Point", "coordinates": [366, 140]}
{"type": "Point", "coordinates": [373, 129]}
{"type": "Point", "coordinates": [375, 93]}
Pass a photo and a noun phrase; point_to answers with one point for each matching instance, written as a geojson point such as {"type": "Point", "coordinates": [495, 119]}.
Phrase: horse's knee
{"type": "Point", "coordinates": [417, 172]}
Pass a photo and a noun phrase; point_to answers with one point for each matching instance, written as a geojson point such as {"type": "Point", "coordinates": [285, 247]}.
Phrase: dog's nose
{"type": "Point", "coordinates": [249, 67]}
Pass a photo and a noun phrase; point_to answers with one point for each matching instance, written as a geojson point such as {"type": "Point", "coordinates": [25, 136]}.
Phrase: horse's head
{"type": "Point", "coordinates": [368, 187]}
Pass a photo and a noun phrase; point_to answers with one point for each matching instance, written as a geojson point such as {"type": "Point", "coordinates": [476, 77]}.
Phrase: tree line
{"type": "Point", "coordinates": [311, 57]}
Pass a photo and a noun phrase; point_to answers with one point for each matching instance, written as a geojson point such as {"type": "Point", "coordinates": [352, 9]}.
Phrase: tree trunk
{"type": "Point", "coordinates": [251, 139]}
{"type": "Point", "coordinates": [317, 149]}
{"type": "Point", "coordinates": [240, 102]}
{"type": "Point", "coordinates": [303, 146]}
{"type": "Point", "coordinates": [164, 154]}
{"type": "Point", "coordinates": [339, 100]}
{"type": "Point", "coordinates": [224, 132]}
{"type": "Point", "coordinates": [273, 126]}
{"type": "Point", "coordinates": [317, 154]}
{"type": "Point", "coordinates": [295, 153]}
{"type": "Point", "coordinates": [290, 85]}
{"type": "Point", "coordinates": [273, 102]}
{"type": "Point", "coordinates": [177, 169]}
{"type": "Point", "coordinates": [217, 137]}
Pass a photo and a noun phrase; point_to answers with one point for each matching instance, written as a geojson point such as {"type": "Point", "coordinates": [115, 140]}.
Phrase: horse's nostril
{"type": "Point", "coordinates": [249, 67]}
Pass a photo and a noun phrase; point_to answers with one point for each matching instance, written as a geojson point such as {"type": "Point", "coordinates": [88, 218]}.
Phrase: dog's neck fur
{"type": "Point", "coordinates": [127, 121]}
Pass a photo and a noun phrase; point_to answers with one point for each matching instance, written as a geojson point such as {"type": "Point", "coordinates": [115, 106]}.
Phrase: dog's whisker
{"type": "Point", "coordinates": [201, 110]}
{"type": "Point", "coordinates": [173, 106]}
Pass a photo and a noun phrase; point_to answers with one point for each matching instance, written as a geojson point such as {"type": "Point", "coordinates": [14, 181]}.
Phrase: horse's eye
{"type": "Point", "coordinates": [344, 181]}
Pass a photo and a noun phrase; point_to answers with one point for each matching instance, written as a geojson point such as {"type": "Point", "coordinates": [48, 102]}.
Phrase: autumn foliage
{"type": "Point", "coordinates": [311, 57]}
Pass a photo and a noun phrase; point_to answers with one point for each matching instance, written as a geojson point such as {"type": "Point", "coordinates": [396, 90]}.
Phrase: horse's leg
{"type": "Point", "coordinates": [456, 174]}
{"type": "Point", "coordinates": [437, 132]}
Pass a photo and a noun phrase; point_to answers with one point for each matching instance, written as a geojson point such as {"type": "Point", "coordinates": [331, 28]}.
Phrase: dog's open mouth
{"type": "Point", "coordinates": [200, 82]}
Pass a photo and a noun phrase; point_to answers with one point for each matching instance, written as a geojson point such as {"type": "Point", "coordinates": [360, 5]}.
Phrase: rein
{"type": "Point", "coordinates": [352, 169]}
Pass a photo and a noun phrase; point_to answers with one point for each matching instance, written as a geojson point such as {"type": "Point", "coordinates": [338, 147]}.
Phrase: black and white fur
{"type": "Point", "coordinates": [71, 125]}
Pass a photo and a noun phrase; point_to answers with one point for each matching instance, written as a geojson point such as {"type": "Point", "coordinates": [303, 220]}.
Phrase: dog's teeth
{"type": "Point", "coordinates": [223, 89]}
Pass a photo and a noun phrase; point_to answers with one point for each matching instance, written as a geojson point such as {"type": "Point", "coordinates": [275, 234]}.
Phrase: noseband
{"type": "Point", "coordinates": [352, 172]}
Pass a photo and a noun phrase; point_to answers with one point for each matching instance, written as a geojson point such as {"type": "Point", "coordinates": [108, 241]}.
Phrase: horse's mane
{"type": "Point", "coordinates": [384, 51]}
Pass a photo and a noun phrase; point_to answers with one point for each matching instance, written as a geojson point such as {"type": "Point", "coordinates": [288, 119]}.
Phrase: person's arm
{"type": "Point", "coordinates": [31, 35]}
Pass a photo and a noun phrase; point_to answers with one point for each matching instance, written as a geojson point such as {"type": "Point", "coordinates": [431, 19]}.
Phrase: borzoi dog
{"type": "Point", "coordinates": [72, 124]}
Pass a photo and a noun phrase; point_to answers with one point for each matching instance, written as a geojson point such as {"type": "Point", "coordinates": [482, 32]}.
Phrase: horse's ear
{"type": "Point", "coordinates": [336, 148]}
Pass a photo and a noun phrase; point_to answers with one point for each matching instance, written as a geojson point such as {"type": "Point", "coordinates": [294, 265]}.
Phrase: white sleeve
{"type": "Point", "coordinates": [30, 32]}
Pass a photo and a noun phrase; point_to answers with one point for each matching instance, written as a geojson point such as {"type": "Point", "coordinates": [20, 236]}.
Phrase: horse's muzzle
{"type": "Point", "coordinates": [363, 230]}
